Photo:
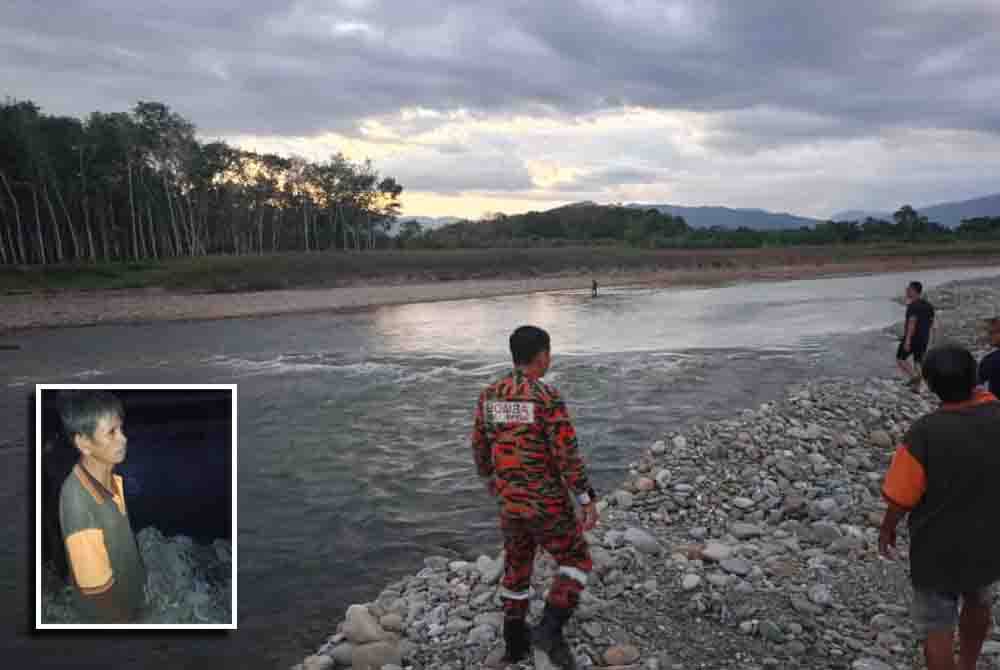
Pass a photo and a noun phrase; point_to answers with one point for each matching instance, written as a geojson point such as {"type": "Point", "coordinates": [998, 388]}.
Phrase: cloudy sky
{"type": "Point", "coordinates": [794, 105]}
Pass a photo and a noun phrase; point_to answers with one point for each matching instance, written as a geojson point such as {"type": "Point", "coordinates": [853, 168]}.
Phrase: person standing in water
{"type": "Point", "coordinates": [525, 449]}
{"type": "Point", "coordinates": [593, 289]}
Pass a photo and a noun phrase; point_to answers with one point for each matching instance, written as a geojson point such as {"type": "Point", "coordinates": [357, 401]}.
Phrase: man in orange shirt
{"type": "Point", "coordinates": [945, 476]}
{"type": "Point", "coordinates": [526, 451]}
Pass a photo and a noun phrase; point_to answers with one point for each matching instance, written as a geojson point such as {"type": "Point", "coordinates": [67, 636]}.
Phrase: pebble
{"type": "Point", "coordinates": [716, 551]}
{"type": "Point", "coordinates": [870, 664]}
{"type": "Point", "coordinates": [642, 541]}
{"type": "Point", "coordinates": [736, 566]}
{"type": "Point", "coordinates": [621, 655]}
{"type": "Point", "coordinates": [690, 582]}
{"type": "Point", "coordinates": [771, 519]}
{"type": "Point", "coordinates": [745, 531]}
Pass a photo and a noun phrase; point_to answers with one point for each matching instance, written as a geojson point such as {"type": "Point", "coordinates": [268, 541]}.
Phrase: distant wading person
{"type": "Point", "coordinates": [526, 450]}
{"type": "Point", "coordinates": [106, 568]}
{"type": "Point", "coordinates": [593, 289]}
{"type": "Point", "coordinates": [916, 334]}
{"type": "Point", "coordinates": [945, 477]}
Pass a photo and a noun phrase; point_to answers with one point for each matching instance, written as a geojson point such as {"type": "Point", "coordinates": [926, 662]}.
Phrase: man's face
{"type": "Point", "coordinates": [544, 360]}
{"type": "Point", "coordinates": [107, 444]}
{"type": "Point", "coordinates": [911, 295]}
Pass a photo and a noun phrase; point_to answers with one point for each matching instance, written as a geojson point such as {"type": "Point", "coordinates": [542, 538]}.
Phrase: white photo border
{"type": "Point", "coordinates": [38, 504]}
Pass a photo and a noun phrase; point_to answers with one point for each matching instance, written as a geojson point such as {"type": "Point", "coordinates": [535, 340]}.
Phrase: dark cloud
{"type": "Point", "coordinates": [769, 74]}
{"type": "Point", "coordinates": [260, 66]}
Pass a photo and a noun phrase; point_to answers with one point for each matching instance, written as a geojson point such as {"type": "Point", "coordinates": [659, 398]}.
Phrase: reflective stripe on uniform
{"type": "Point", "coordinates": [575, 574]}
{"type": "Point", "coordinates": [516, 595]}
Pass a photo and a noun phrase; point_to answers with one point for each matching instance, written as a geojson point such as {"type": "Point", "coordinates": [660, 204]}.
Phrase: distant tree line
{"type": "Point", "coordinates": [140, 186]}
{"type": "Point", "coordinates": [649, 228]}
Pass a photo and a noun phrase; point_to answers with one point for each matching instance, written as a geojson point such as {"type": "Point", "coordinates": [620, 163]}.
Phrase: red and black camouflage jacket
{"type": "Point", "coordinates": [523, 437]}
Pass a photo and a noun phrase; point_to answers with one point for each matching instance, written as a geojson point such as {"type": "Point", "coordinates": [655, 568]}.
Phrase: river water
{"type": "Point", "coordinates": [353, 457]}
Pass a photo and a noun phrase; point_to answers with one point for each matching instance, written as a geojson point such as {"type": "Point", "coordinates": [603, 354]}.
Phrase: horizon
{"type": "Point", "coordinates": [887, 212]}
{"type": "Point", "coordinates": [809, 111]}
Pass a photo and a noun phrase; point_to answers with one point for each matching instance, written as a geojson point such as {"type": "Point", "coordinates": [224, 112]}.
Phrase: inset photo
{"type": "Point", "coordinates": [135, 506]}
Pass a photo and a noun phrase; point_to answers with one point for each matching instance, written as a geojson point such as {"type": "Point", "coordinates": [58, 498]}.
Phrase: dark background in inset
{"type": "Point", "coordinates": [178, 471]}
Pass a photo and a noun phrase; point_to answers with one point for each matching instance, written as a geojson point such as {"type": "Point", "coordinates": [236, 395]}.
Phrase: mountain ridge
{"type": "Point", "coordinates": [948, 214]}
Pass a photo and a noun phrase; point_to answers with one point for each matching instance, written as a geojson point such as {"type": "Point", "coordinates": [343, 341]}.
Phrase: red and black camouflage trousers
{"type": "Point", "coordinates": [561, 536]}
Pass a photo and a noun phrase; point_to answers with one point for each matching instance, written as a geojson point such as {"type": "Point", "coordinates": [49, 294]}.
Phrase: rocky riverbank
{"type": "Point", "coordinates": [746, 543]}
{"type": "Point", "coordinates": [187, 583]}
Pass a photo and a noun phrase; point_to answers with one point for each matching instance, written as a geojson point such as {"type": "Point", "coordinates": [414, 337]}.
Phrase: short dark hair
{"type": "Point", "coordinates": [917, 286]}
{"type": "Point", "coordinates": [950, 371]}
{"type": "Point", "coordinates": [527, 342]}
{"type": "Point", "coordinates": [80, 410]}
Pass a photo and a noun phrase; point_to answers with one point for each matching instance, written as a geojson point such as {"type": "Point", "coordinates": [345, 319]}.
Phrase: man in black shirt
{"type": "Point", "coordinates": [989, 368]}
{"type": "Point", "coordinates": [944, 476]}
{"type": "Point", "coordinates": [917, 333]}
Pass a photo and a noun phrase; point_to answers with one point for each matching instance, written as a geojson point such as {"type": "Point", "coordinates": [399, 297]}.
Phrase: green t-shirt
{"type": "Point", "coordinates": [100, 546]}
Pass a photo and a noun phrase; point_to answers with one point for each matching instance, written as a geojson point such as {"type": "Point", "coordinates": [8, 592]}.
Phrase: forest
{"type": "Point", "coordinates": [139, 186]}
{"type": "Point", "coordinates": [593, 224]}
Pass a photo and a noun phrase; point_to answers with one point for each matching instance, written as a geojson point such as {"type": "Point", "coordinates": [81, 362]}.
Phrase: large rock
{"type": "Point", "coordinates": [374, 655]}
{"type": "Point", "coordinates": [317, 662]}
{"type": "Point", "coordinates": [342, 653]}
{"type": "Point", "coordinates": [392, 622]}
{"type": "Point", "coordinates": [361, 627]}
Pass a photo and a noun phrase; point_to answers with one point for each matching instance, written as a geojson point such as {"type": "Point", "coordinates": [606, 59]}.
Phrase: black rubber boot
{"type": "Point", "coordinates": [548, 637]}
{"type": "Point", "coordinates": [517, 644]}
{"type": "Point", "coordinates": [516, 640]}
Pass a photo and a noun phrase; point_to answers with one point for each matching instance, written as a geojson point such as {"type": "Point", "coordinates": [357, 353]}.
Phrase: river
{"type": "Point", "coordinates": [353, 457]}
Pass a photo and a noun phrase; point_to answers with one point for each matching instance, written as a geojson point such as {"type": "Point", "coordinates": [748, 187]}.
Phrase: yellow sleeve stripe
{"type": "Point", "coordinates": [88, 558]}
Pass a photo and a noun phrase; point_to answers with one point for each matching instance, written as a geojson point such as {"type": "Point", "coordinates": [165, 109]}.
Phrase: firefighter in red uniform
{"type": "Point", "coordinates": [526, 450]}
